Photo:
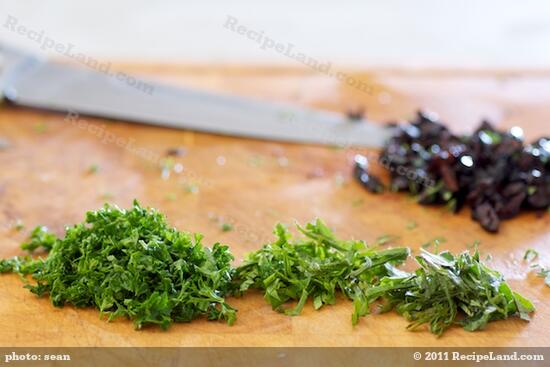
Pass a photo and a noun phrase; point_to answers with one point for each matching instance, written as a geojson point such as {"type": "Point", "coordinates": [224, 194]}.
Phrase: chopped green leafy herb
{"type": "Point", "coordinates": [412, 225]}
{"type": "Point", "coordinates": [435, 243]}
{"type": "Point", "coordinates": [191, 188]}
{"type": "Point", "coordinates": [530, 255]}
{"type": "Point", "coordinates": [473, 246]}
{"type": "Point", "coordinates": [130, 263]}
{"type": "Point", "coordinates": [18, 226]}
{"type": "Point", "coordinates": [541, 271]}
{"type": "Point", "coordinates": [226, 227]}
{"type": "Point", "coordinates": [166, 165]}
{"type": "Point", "coordinates": [385, 239]}
{"type": "Point", "coordinates": [22, 265]}
{"type": "Point", "coordinates": [40, 237]}
{"type": "Point", "coordinates": [446, 285]}
{"type": "Point", "coordinates": [544, 273]}
{"type": "Point", "coordinates": [94, 168]}
{"type": "Point", "coordinates": [315, 267]}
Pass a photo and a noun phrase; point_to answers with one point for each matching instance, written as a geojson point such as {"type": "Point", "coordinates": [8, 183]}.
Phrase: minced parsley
{"type": "Point", "coordinates": [130, 263]}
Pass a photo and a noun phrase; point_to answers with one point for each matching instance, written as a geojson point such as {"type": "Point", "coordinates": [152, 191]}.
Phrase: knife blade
{"type": "Point", "coordinates": [30, 81]}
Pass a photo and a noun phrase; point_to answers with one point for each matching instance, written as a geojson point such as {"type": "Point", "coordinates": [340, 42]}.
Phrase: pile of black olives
{"type": "Point", "coordinates": [491, 171]}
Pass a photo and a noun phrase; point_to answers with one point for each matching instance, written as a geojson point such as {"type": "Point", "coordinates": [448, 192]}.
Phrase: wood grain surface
{"type": "Point", "coordinates": [45, 179]}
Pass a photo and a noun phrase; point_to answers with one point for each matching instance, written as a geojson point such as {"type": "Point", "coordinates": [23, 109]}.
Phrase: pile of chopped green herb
{"type": "Point", "coordinates": [315, 267]}
{"type": "Point", "coordinates": [129, 263]}
{"type": "Point", "coordinates": [544, 273]}
{"type": "Point", "coordinates": [446, 285]}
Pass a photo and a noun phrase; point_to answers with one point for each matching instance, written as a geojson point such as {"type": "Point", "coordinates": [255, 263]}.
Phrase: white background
{"type": "Point", "coordinates": [391, 33]}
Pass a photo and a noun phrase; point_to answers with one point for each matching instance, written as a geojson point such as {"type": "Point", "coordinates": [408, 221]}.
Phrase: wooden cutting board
{"type": "Point", "coordinates": [45, 179]}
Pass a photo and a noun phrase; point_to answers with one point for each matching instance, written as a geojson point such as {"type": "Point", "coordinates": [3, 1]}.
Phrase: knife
{"type": "Point", "coordinates": [32, 81]}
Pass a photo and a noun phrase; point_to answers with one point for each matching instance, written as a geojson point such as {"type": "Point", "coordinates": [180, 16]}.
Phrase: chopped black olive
{"type": "Point", "coordinates": [492, 171]}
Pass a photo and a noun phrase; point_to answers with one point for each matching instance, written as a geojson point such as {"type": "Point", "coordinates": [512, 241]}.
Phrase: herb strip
{"type": "Point", "coordinates": [445, 285]}
{"type": "Point", "coordinates": [315, 267]}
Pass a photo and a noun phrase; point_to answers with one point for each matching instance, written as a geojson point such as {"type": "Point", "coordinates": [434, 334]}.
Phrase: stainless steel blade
{"type": "Point", "coordinates": [54, 86]}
